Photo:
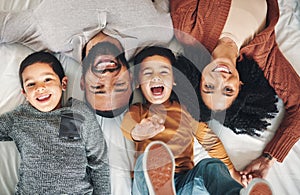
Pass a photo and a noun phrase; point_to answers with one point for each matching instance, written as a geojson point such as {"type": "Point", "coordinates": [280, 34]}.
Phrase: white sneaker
{"type": "Point", "coordinates": [257, 187]}
{"type": "Point", "coordinates": [159, 167]}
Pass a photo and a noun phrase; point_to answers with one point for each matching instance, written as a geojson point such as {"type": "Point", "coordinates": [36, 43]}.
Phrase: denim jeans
{"type": "Point", "coordinates": [209, 176]}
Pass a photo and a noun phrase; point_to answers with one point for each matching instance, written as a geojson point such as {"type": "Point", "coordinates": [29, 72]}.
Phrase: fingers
{"type": "Point", "coordinates": [157, 123]}
{"type": "Point", "coordinates": [157, 119]}
{"type": "Point", "coordinates": [244, 180]}
{"type": "Point", "coordinates": [148, 128]}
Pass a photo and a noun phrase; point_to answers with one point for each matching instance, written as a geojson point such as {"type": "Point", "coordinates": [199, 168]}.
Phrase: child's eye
{"type": "Point", "coordinates": [147, 73]}
{"type": "Point", "coordinates": [164, 72]}
{"type": "Point", "coordinates": [30, 85]}
{"type": "Point", "coordinates": [48, 79]}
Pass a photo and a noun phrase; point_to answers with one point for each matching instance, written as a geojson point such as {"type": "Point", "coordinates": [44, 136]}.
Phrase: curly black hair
{"type": "Point", "coordinates": [255, 103]}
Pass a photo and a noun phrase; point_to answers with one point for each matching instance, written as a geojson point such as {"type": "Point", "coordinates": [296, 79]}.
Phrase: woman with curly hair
{"type": "Point", "coordinates": [248, 113]}
{"type": "Point", "coordinates": [238, 34]}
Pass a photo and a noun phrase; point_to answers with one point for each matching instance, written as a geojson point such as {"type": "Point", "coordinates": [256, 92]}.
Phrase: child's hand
{"type": "Point", "coordinates": [245, 179]}
{"type": "Point", "coordinates": [148, 128]}
{"type": "Point", "coordinates": [241, 178]}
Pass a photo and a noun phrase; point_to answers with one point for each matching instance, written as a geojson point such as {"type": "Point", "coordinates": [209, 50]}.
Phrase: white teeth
{"type": "Point", "coordinates": [222, 69]}
{"type": "Point", "coordinates": [43, 97]}
{"type": "Point", "coordinates": [157, 86]}
{"type": "Point", "coordinates": [105, 64]}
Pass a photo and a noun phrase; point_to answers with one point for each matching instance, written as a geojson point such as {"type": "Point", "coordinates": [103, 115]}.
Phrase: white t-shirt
{"type": "Point", "coordinates": [245, 20]}
{"type": "Point", "coordinates": [120, 153]}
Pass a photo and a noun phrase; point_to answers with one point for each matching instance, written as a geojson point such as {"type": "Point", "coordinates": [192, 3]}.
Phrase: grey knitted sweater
{"type": "Point", "coordinates": [51, 163]}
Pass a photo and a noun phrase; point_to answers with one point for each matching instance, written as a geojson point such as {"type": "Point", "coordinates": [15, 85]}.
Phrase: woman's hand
{"type": "Point", "coordinates": [148, 128]}
{"type": "Point", "coordinates": [259, 167]}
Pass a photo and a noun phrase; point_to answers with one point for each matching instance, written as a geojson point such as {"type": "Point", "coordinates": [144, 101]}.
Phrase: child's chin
{"type": "Point", "coordinates": [157, 101]}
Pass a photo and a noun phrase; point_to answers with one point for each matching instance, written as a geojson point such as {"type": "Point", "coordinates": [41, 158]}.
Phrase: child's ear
{"type": "Point", "coordinates": [82, 83]}
{"type": "Point", "coordinates": [64, 83]}
{"type": "Point", "coordinates": [137, 84]}
{"type": "Point", "coordinates": [24, 93]}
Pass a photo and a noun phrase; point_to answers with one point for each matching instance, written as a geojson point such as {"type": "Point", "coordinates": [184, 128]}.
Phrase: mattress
{"type": "Point", "coordinates": [284, 177]}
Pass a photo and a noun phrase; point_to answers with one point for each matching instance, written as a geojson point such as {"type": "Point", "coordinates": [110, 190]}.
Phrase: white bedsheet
{"type": "Point", "coordinates": [284, 177]}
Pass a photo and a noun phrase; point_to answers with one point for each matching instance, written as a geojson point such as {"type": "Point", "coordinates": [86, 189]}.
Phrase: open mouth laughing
{"type": "Point", "coordinates": [157, 90]}
{"type": "Point", "coordinates": [106, 65]}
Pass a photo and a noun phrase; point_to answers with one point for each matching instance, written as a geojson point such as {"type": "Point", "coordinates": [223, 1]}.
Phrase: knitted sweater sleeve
{"type": "Point", "coordinates": [96, 150]}
{"type": "Point", "coordinates": [286, 82]}
{"type": "Point", "coordinates": [6, 123]}
{"type": "Point", "coordinates": [130, 119]}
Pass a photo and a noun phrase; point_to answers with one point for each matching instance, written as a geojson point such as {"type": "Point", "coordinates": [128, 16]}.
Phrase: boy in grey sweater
{"type": "Point", "coordinates": [62, 149]}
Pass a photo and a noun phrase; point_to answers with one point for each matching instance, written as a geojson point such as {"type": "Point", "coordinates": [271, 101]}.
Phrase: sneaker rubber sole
{"type": "Point", "coordinates": [257, 187]}
{"type": "Point", "coordinates": [159, 167]}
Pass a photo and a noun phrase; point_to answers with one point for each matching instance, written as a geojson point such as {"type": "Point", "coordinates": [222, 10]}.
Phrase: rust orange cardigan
{"type": "Point", "coordinates": [204, 20]}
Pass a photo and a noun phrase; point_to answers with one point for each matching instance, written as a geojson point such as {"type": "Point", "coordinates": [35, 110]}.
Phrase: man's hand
{"type": "Point", "coordinates": [148, 128]}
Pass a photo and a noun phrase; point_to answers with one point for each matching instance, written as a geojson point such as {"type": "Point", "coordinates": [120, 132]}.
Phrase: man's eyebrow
{"type": "Point", "coordinates": [121, 90]}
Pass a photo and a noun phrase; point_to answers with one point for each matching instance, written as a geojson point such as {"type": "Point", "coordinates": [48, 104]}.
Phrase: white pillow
{"type": "Point", "coordinates": [18, 5]}
{"type": "Point", "coordinates": [10, 58]}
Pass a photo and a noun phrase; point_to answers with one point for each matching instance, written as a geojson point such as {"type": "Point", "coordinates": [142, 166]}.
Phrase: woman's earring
{"type": "Point", "coordinates": [174, 84]}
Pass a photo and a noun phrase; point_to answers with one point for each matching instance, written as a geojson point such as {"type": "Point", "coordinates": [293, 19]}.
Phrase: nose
{"type": "Point", "coordinates": [40, 87]}
{"type": "Point", "coordinates": [156, 79]}
{"type": "Point", "coordinates": [220, 77]}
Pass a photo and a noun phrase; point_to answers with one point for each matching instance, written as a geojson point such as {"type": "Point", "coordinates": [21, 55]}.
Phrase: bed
{"type": "Point", "coordinates": [284, 177]}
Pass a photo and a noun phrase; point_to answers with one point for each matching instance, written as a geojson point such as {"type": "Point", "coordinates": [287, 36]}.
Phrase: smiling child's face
{"type": "Point", "coordinates": [42, 87]}
{"type": "Point", "coordinates": [156, 79]}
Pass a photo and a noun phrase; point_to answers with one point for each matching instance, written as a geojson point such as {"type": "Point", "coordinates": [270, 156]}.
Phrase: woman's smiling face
{"type": "Point", "coordinates": [156, 79]}
{"type": "Point", "coordinates": [220, 84]}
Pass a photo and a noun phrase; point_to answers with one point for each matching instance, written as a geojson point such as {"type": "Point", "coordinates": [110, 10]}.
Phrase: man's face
{"type": "Point", "coordinates": [107, 84]}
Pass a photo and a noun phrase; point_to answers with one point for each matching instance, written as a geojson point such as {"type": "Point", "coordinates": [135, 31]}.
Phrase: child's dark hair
{"type": "Point", "coordinates": [42, 57]}
{"type": "Point", "coordinates": [255, 103]}
{"type": "Point", "coordinates": [152, 51]}
{"type": "Point", "coordinates": [103, 48]}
